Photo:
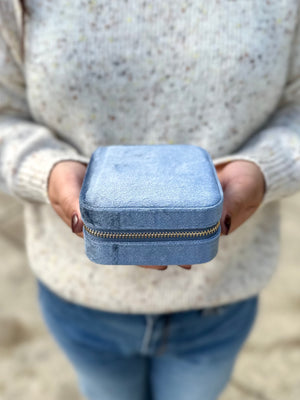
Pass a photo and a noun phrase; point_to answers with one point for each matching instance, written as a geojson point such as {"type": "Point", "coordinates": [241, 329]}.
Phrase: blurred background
{"type": "Point", "coordinates": [33, 367]}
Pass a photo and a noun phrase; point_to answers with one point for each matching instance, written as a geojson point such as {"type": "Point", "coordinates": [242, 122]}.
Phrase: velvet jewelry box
{"type": "Point", "coordinates": [151, 205]}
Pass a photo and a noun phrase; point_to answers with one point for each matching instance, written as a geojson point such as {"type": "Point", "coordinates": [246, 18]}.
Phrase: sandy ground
{"type": "Point", "coordinates": [33, 368]}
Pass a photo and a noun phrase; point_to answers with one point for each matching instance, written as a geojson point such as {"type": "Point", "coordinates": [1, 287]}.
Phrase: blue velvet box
{"type": "Point", "coordinates": [151, 205]}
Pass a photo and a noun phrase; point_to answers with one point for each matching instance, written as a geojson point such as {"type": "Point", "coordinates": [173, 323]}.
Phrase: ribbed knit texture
{"type": "Point", "coordinates": [224, 75]}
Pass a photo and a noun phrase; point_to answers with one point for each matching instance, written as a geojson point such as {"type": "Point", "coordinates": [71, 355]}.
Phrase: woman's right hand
{"type": "Point", "coordinates": [64, 187]}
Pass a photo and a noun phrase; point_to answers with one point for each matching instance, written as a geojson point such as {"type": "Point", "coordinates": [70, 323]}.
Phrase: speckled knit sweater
{"type": "Point", "coordinates": [221, 74]}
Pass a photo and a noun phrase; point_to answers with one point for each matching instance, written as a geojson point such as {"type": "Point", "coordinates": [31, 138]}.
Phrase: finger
{"type": "Point", "coordinates": [231, 207]}
{"type": "Point", "coordinates": [160, 267]}
{"type": "Point", "coordinates": [236, 209]}
{"type": "Point", "coordinates": [64, 189]}
{"type": "Point", "coordinates": [186, 266]}
{"type": "Point", "coordinates": [77, 223]}
{"type": "Point", "coordinates": [70, 206]}
{"type": "Point", "coordinates": [69, 211]}
{"type": "Point", "coordinates": [80, 234]}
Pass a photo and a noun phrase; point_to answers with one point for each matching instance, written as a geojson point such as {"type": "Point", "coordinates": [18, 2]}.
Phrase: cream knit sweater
{"type": "Point", "coordinates": [221, 74]}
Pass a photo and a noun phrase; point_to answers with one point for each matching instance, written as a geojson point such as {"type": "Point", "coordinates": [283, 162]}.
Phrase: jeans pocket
{"type": "Point", "coordinates": [223, 329]}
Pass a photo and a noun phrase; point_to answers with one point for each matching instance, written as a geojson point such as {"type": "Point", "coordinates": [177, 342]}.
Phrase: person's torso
{"type": "Point", "coordinates": [140, 72]}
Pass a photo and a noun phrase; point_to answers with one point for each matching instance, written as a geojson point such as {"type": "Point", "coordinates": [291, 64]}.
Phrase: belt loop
{"type": "Point", "coordinates": [165, 334]}
{"type": "Point", "coordinates": [148, 333]}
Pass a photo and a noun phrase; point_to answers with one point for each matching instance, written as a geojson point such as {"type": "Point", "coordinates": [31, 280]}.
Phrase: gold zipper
{"type": "Point", "coordinates": [153, 235]}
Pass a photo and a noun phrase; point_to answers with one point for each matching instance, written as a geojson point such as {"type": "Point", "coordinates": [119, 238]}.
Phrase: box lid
{"type": "Point", "coordinates": [161, 186]}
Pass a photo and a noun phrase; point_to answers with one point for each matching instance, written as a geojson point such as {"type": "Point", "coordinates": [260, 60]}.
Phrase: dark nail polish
{"type": "Point", "coordinates": [227, 223]}
{"type": "Point", "coordinates": [74, 222]}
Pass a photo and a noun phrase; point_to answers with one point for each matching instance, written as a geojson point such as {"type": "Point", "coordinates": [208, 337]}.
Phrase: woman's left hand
{"type": "Point", "coordinates": [244, 187]}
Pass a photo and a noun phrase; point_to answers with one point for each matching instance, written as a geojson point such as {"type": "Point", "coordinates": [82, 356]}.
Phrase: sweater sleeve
{"type": "Point", "coordinates": [275, 148]}
{"type": "Point", "coordinates": [28, 151]}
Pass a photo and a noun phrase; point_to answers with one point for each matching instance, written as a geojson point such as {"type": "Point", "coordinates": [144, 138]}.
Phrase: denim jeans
{"type": "Point", "coordinates": [186, 355]}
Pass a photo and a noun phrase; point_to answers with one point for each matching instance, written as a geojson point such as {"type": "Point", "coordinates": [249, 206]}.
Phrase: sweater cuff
{"type": "Point", "coordinates": [275, 166]}
{"type": "Point", "coordinates": [33, 175]}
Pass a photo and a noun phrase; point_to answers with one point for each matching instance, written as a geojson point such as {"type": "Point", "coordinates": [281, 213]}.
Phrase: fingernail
{"type": "Point", "coordinates": [74, 222]}
{"type": "Point", "coordinates": [227, 223]}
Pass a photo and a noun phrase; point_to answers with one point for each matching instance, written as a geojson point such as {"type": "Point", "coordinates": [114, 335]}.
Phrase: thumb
{"type": "Point", "coordinates": [72, 209]}
{"type": "Point", "coordinates": [232, 207]}
{"type": "Point", "coordinates": [64, 190]}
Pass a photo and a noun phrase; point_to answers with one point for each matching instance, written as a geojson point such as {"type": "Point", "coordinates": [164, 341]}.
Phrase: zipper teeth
{"type": "Point", "coordinates": [157, 234]}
